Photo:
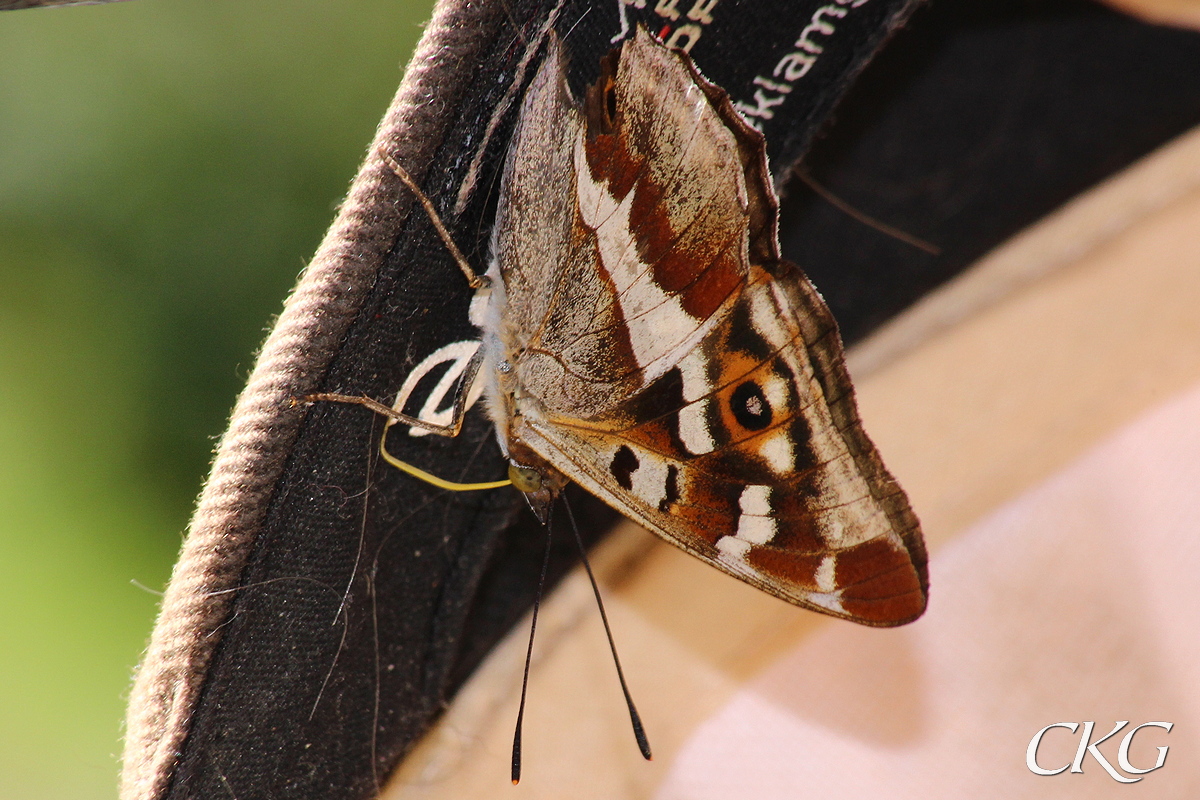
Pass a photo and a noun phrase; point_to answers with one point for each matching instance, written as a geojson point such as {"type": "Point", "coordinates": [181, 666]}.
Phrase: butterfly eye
{"type": "Point", "coordinates": [750, 407]}
{"type": "Point", "coordinates": [526, 479]}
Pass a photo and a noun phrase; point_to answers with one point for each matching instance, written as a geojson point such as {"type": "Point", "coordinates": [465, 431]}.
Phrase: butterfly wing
{"type": "Point", "coordinates": [663, 357]}
{"type": "Point", "coordinates": [626, 262]}
{"type": "Point", "coordinates": [748, 454]}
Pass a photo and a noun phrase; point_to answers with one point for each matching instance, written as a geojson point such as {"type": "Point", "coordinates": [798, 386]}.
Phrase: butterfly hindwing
{"type": "Point", "coordinates": [752, 475]}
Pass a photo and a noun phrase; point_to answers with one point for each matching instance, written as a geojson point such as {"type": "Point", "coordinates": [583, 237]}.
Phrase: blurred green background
{"type": "Point", "coordinates": [166, 169]}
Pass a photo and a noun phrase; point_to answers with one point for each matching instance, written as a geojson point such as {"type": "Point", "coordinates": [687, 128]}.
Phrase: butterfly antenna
{"type": "Point", "coordinates": [866, 219]}
{"type": "Point", "coordinates": [537, 603]}
{"type": "Point", "coordinates": [639, 731]}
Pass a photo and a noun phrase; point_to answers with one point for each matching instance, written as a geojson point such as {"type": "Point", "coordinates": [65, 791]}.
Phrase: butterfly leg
{"type": "Point", "coordinates": [474, 280]}
{"type": "Point", "coordinates": [449, 430]}
{"type": "Point", "coordinates": [452, 429]}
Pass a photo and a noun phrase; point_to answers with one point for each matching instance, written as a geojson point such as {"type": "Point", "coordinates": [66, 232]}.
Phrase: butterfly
{"type": "Point", "coordinates": [642, 337]}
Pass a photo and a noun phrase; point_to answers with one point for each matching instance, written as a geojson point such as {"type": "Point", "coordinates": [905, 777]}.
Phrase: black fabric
{"type": "Point", "coordinates": [977, 120]}
{"type": "Point", "coordinates": [371, 596]}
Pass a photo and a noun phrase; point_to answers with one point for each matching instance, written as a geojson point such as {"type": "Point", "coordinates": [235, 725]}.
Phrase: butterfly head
{"type": "Point", "coordinates": [536, 479]}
